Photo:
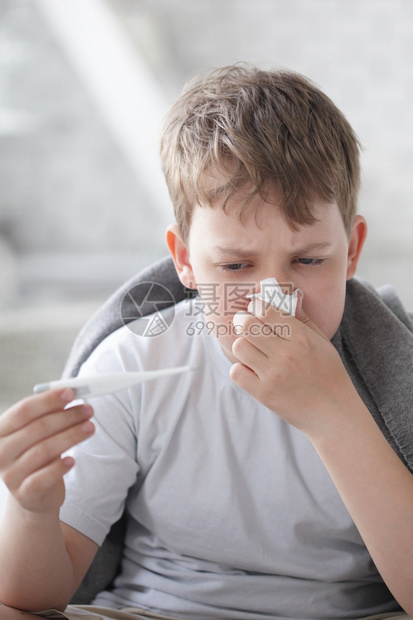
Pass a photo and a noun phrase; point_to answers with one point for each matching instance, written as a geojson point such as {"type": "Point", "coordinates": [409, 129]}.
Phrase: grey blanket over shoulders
{"type": "Point", "coordinates": [374, 340]}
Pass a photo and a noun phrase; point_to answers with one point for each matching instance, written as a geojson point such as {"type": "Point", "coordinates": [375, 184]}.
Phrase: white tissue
{"type": "Point", "coordinates": [271, 292]}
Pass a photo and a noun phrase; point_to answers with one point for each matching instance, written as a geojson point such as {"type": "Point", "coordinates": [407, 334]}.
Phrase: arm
{"type": "Point", "coordinates": [314, 393]}
{"type": "Point", "coordinates": [43, 560]}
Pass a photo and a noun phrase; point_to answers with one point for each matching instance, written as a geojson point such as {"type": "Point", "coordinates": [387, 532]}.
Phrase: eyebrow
{"type": "Point", "coordinates": [245, 253]}
{"type": "Point", "coordinates": [313, 246]}
{"type": "Point", "coordinates": [236, 252]}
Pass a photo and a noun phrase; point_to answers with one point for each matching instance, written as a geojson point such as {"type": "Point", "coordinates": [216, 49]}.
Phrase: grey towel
{"type": "Point", "coordinates": [375, 341]}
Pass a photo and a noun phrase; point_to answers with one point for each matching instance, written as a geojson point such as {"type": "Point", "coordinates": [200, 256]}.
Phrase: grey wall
{"type": "Point", "coordinates": [74, 219]}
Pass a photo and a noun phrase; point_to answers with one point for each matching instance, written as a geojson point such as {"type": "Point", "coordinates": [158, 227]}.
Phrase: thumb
{"type": "Point", "coordinates": [304, 318]}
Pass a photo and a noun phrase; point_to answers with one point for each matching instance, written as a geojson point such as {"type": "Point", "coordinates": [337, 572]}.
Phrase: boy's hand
{"type": "Point", "coordinates": [33, 435]}
{"type": "Point", "coordinates": [289, 366]}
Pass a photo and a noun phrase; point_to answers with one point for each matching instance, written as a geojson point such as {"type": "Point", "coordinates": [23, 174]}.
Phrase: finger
{"type": "Point", "coordinates": [45, 452]}
{"type": "Point", "coordinates": [304, 318]}
{"type": "Point", "coordinates": [258, 307]}
{"type": "Point", "coordinates": [32, 407]}
{"type": "Point", "coordinates": [36, 487]}
{"type": "Point", "coordinates": [251, 325]}
{"type": "Point", "coordinates": [278, 322]}
{"type": "Point", "coordinates": [15, 444]}
{"type": "Point", "coordinates": [261, 327]}
{"type": "Point", "coordinates": [239, 320]}
{"type": "Point", "coordinates": [246, 352]}
{"type": "Point", "coordinates": [244, 377]}
{"type": "Point", "coordinates": [281, 321]}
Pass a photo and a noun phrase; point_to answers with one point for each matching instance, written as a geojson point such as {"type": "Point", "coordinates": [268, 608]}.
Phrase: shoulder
{"type": "Point", "coordinates": [157, 340]}
{"type": "Point", "coordinates": [379, 304]}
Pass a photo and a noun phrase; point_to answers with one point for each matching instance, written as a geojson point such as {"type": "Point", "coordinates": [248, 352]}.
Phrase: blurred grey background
{"type": "Point", "coordinates": [84, 85]}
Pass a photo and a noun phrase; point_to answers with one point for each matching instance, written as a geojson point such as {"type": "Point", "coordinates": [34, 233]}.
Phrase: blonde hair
{"type": "Point", "coordinates": [258, 128]}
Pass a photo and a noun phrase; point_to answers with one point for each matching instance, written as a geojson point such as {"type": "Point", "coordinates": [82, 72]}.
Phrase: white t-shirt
{"type": "Point", "coordinates": [231, 513]}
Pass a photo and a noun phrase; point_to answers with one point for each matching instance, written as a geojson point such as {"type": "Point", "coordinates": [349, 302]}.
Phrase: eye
{"type": "Point", "coordinates": [310, 262]}
{"type": "Point", "coordinates": [234, 266]}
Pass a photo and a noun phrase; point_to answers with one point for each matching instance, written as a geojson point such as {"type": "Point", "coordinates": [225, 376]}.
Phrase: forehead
{"type": "Point", "coordinates": [218, 189]}
{"type": "Point", "coordinates": [259, 218]}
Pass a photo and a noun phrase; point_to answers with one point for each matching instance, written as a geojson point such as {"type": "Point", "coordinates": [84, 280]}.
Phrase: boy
{"type": "Point", "coordinates": [259, 485]}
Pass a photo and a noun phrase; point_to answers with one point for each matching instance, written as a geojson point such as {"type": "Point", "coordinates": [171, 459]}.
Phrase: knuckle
{"type": "Point", "coordinates": [37, 405]}
{"type": "Point", "coordinates": [75, 435]}
{"type": "Point", "coordinates": [42, 426]}
{"type": "Point", "coordinates": [262, 308]}
{"type": "Point", "coordinates": [242, 320]}
{"type": "Point", "coordinates": [303, 341]}
{"type": "Point", "coordinates": [235, 372]}
{"type": "Point", "coordinates": [249, 321]}
{"type": "Point", "coordinates": [291, 363]}
{"type": "Point", "coordinates": [240, 347]}
{"type": "Point", "coordinates": [42, 452]}
{"type": "Point", "coordinates": [31, 487]}
{"type": "Point", "coordinates": [238, 344]}
{"type": "Point", "coordinates": [273, 375]}
{"type": "Point", "coordinates": [23, 411]}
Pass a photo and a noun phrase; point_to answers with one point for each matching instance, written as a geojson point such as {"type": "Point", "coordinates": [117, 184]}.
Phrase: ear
{"type": "Point", "coordinates": [355, 246]}
{"type": "Point", "coordinates": [180, 256]}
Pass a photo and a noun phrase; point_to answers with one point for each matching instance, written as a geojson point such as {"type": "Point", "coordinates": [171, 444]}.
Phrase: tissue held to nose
{"type": "Point", "coordinates": [272, 293]}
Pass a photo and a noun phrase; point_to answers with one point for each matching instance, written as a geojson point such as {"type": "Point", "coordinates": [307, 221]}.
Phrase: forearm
{"type": "Point", "coordinates": [302, 379]}
{"type": "Point", "coordinates": [37, 572]}
{"type": "Point", "coordinates": [377, 490]}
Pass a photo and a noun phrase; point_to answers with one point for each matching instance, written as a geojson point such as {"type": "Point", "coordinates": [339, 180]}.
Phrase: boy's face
{"type": "Point", "coordinates": [226, 258]}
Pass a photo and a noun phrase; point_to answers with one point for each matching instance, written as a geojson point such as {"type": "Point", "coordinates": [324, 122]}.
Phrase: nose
{"type": "Point", "coordinates": [286, 284]}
